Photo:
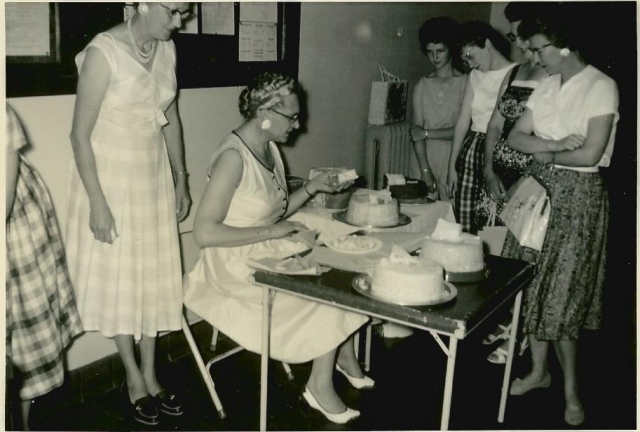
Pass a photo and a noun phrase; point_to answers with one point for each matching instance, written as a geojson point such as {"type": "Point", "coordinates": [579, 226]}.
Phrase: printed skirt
{"type": "Point", "coordinates": [567, 291]}
{"type": "Point", "coordinates": [40, 306]}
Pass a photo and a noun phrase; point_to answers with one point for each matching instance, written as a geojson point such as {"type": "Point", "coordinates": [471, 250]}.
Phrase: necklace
{"type": "Point", "coordinates": [140, 55]}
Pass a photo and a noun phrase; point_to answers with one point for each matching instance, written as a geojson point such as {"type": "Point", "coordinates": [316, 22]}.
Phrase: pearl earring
{"type": "Point", "coordinates": [266, 124]}
{"type": "Point", "coordinates": [564, 52]}
{"type": "Point", "coordinates": [143, 9]}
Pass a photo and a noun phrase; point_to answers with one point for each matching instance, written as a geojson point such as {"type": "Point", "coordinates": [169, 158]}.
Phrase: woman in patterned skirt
{"type": "Point", "coordinates": [486, 51]}
{"type": "Point", "coordinates": [42, 318]}
{"type": "Point", "coordinates": [573, 116]}
{"type": "Point", "coordinates": [128, 190]}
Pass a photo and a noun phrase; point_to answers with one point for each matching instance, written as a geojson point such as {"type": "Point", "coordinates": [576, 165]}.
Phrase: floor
{"type": "Point", "coordinates": [410, 376]}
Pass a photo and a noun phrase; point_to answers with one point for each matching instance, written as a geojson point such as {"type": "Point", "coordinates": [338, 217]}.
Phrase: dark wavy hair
{"type": "Point", "coordinates": [556, 22]}
{"type": "Point", "coordinates": [442, 30]}
{"type": "Point", "coordinates": [265, 91]}
{"type": "Point", "coordinates": [476, 33]}
{"type": "Point", "coordinates": [519, 10]}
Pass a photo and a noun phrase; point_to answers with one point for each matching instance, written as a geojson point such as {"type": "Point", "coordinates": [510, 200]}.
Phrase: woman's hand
{"type": "Point", "coordinates": [431, 181]}
{"type": "Point", "coordinates": [327, 182]}
{"type": "Point", "coordinates": [101, 222]}
{"type": "Point", "coordinates": [569, 143]}
{"type": "Point", "coordinates": [285, 228]}
{"type": "Point", "coordinates": [183, 198]}
{"type": "Point", "coordinates": [494, 186]}
{"type": "Point", "coordinates": [452, 183]}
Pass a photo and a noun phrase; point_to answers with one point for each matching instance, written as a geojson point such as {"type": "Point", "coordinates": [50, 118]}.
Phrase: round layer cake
{"type": "Point", "coordinates": [408, 281]}
{"type": "Point", "coordinates": [369, 210]}
{"type": "Point", "coordinates": [461, 256]}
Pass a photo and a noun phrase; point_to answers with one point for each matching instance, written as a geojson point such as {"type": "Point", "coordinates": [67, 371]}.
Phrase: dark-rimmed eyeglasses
{"type": "Point", "coordinates": [176, 12]}
{"type": "Point", "coordinates": [539, 50]}
{"type": "Point", "coordinates": [294, 118]}
{"type": "Point", "coordinates": [511, 36]}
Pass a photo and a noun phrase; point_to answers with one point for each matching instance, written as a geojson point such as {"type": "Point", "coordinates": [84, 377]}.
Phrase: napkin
{"type": "Point", "coordinates": [295, 265]}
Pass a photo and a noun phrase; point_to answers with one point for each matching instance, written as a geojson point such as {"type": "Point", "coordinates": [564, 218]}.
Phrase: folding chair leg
{"type": "Point", "coordinates": [203, 370]}
{"type": "Point", "coordinates": [214, 340]}
{"type": "Point", "coordinates": [367, 350]}
{"type": "Point", "coordinates": [356, 343]}
{"type": "Point", "coordinates": [287, 369]}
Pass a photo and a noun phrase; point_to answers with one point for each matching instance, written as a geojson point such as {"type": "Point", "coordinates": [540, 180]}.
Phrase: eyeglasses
{"type": "Point", "coordinates": [294, 118]}
{"type": "Point", "coordinates": [512, 36]}
{"type": "Point", "coordinates": [539, 50]}
{"type": "Point", "coordinates": [173, 12]}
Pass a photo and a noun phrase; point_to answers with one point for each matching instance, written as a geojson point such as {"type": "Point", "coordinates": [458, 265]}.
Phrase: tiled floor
{"type": "Point", "coordinates": [410, 377]}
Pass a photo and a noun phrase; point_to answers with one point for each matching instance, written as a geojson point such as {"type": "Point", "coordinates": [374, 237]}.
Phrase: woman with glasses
{"type": "Point", "coordinates": [243, 213]}
{"type": "Point", "coordinates": [128, 190]}
{"type": "Point", "coordinates": [485, 51]}
{"type": "Point", "coordinates": [569, 127]}
{"type": "Point", "coordinates": [436, 101]}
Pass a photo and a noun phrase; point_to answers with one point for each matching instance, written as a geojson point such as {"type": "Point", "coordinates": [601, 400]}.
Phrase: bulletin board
{"type": "Point", "coordinates": [209, 52]}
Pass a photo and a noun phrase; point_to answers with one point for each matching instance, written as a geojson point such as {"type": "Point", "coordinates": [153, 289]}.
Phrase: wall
{"type": "Point", "coordinates": [341, 45]}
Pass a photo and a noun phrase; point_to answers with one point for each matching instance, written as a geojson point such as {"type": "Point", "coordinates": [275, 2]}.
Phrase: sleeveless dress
{"type": "Point", "coordinates": [41, 313]}
{"type": "Point", "coordinates": [218, 287]}
{"type": "Point", "coordinates": [508, 164]}
{"type": "Point", "coordinates": [441, 103]}
{"type": "Point", "coordinates": [133, 286]}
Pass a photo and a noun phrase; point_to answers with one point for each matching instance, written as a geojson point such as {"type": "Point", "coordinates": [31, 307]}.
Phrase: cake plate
{"type": "Point", "coordinates": [362, 284]}
{"type": "Point", "coordinates": [342, 217]}
{"type": "Point", "coordinates": [416, 201]}
{"type": "Point", "coordinates": [467, 277]}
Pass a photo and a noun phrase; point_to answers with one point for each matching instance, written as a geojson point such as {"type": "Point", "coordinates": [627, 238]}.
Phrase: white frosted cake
{"type": "Point", "coordinates": [337, 200]}
{"type": "Point", "coordinates": [404, 279]}
{"type": "Point", "coordinates": [456, 251]}
{"type": "Point", "coordinates": [376, 209]}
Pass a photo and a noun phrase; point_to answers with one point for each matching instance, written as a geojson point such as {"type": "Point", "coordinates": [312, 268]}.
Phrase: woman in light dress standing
{"type": "Point", "coordinates": [243, 213]}
{"type": "Point", "coordinates": [437, 99]}
{"type": "Point", "coordinates": [128, 190]}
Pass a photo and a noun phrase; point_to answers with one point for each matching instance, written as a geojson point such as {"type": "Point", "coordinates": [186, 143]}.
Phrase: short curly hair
{"type": "Point", "coordinates": [265, 91]}
{"type": "Point", "coordinates": [442, 30]}
{"type": "Point", "coordinates": [553, 23]}
{"type": "Point", "coordinates": [476, 33]}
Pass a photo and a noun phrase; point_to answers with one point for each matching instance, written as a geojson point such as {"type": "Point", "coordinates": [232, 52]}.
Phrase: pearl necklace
{"type": "Point", "coordinates": [140, 55]}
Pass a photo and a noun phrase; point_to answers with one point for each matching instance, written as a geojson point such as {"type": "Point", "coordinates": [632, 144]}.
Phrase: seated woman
{"type": "Point", "coordinates": [243, 211]}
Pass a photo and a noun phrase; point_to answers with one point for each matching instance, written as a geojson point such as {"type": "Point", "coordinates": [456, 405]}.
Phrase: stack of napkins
{"type": "Point", "coordinates": [295, 265]}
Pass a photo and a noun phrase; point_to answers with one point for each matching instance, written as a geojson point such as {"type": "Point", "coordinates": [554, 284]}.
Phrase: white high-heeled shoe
{"type": "Point", "coordinates": [364, 383]}
{"type": "Point", "coordinates": [340, 418]}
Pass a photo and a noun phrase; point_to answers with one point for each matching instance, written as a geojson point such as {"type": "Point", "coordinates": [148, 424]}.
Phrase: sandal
{"type": "Point", "coordinates": [499, 355]}
{"type": "Point", "coordinates": [501, 332]}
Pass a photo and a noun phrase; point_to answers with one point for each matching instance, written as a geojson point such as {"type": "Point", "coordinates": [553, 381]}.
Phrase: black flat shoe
{"type": "Point", "coordinates": [168, 403]}
{"type": "Point", "coordinates": [143, 410]}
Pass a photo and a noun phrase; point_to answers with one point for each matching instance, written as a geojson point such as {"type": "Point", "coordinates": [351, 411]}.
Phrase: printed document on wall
{"type": "Point", "coordinates": [259, 12]}
{"type": "Point", "coordinates": [218, 18]}
{"type": "Point", "coordinates": [27, 29]}
{"type": "Point", "coordinates": [258, 42]}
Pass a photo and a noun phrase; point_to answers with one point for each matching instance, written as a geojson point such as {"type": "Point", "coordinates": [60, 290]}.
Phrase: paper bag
{"type": "Point", "coordinates": [493, 236]}
{"type": "Point", "coordinates": [388, 102]}
{"type": "Point", "coordinates": [527, 213]}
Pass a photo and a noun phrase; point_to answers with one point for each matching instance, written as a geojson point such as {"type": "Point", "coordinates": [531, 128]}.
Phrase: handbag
{"type": "Point", "coordinates": [493, 236]}
{"type": "Point", "coordinates": [527, 212]}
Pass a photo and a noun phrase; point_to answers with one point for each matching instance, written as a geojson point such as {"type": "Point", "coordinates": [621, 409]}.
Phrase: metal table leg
{"type": "Point", "coordinates": [512, 344]}
{"type": "Point", "coordinates": [448, 383]}
{"type": "Point", "coordinates": [264, 358]}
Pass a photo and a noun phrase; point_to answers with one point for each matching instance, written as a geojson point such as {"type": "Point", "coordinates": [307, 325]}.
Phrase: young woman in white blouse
{"type": "Point", "coordinates": [572, 116]}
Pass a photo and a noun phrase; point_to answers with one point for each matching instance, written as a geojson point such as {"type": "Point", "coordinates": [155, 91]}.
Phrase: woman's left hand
{"type": "Point", "coordinates": [327, 182]}
{"type": "Point", "coordinates": [183, 199]}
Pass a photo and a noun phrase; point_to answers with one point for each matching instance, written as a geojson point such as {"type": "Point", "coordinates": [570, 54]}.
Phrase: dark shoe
{"type": "Point", "coordinates": [143, 410]}
{"type": "Point", "coordinates": [168, 403]}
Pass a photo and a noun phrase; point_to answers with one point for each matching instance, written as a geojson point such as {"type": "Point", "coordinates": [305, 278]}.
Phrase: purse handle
{"type": "Point", "coordinates": [491, 221]}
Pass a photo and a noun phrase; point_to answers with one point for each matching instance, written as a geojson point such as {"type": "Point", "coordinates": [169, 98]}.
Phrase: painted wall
{"type": "Point", "coordinates": [341, 45]}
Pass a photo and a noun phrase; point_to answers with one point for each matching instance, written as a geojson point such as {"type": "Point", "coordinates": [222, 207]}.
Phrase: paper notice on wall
{"type": "Point", "coordinates": [257, 42]}
{"type": "Point", "coordinates": [218, 18]}
{"type": "Point", "coordinates": [27, 29]}
{"type": "Point", "coordinates": [259, 12]}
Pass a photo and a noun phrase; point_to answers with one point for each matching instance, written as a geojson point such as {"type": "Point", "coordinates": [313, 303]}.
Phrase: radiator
{"type": "Point", "coordinates": [389, 150]}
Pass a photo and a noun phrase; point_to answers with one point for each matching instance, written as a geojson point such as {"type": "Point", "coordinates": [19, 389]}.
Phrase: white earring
{"type": "Point", "coordinates": [564, 52]}
{"type": "Point", "coordinates": [266, 124]}
{"type": "Point", "coordinates": [143, 9]}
